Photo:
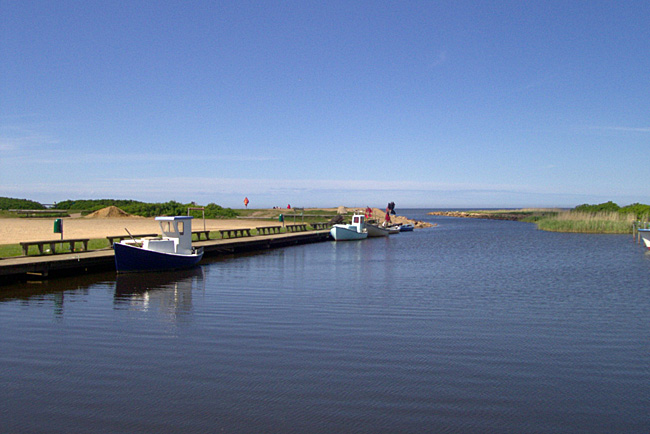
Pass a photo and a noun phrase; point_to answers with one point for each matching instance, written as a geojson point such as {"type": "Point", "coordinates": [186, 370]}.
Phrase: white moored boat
{"type": "Point", "coordinates": [355, 231]}
{"type": "Point", "coordinates": [376, 230]}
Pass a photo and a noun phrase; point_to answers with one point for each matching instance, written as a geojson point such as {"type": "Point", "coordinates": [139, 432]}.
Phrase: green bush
{"type": "Point", "coordinates": [11, 203]}
{"type": "Point", "coordinates": [639, 210]}
{"type": "Point", "coordinates": [602, 207]}
{"type": "Point", "coordinates": [144, 209]}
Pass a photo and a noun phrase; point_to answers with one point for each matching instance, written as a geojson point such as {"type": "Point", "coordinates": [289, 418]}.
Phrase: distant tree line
{"type": "Point", "coordinates": [11, 203]}
{"type": "Point", "coordinates": [144, 209]}
{"type": "Point", "coordinates": [638, 209]}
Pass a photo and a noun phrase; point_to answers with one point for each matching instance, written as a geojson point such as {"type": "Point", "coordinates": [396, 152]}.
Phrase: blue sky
{"type": "Point", "coordinates": [424, 103]}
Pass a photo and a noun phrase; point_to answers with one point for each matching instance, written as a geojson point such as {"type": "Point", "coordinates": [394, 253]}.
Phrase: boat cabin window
{"type": "Point", "coordinates": [170, 228]}
{"type": "Point", "coordinates": [358, 219]}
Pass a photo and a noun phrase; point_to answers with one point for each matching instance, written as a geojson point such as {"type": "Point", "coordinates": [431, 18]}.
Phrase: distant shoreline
{"type": "Point", "coordinates": [556, 220]}
{"type": "Point", "coordinates": [515, 215]}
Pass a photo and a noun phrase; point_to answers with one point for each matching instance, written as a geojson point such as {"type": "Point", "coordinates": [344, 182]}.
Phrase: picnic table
{"type": "Point", "coordinates": [268, 230]}
{"type": "Point", "coordinates": [321, 225]}
{"type": "Point", "coordinates": [296, 227]}
{"type": "Point", "coordinates": [52, 243]}
{"type": "Point", "coordinates": [199, 233]}
{"type": "Point", "coordinates": [234, 233]}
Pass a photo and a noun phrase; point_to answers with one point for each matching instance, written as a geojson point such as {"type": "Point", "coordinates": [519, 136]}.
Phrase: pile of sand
{"type": "Point", "coordinates": [109, 212]}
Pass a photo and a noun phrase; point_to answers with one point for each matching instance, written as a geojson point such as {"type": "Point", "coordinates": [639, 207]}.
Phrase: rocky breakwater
{"type": "Point", "coordinates": [490, 215]}
{"type": "Point", "coordinates": [417, 224]}
{"type": "Point", "coordinates": [379, 215]}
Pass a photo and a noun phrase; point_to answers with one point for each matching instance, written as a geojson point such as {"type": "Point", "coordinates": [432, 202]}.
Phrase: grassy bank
{"type": "Point", "coordinates": [556, 220]}
{"type": "Point", "coordinates": [588, 222]}
{"type": "Point", "coordinates": [530, 215]}
{"type": "Point", "coordinates": [12, 250]}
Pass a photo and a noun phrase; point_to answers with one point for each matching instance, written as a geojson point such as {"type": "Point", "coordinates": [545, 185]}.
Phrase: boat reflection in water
{"type": "Point", "coordinates": [169, 292]}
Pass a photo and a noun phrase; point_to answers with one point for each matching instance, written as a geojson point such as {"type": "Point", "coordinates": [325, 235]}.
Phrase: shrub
{"type": "Point", "coordinates": [11, 203]}
{"type": "Point", "coordinates": [144, 209]}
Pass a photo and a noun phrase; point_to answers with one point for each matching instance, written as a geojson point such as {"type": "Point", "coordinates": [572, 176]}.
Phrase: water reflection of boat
{"type": "Point", "coordinates": [169, 292]}
{"type": "Point", "coordinates": [134, 284]}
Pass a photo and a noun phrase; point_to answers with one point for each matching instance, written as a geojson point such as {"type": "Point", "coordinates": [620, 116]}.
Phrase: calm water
{"type": "Point", "coordinates": [473, 326]}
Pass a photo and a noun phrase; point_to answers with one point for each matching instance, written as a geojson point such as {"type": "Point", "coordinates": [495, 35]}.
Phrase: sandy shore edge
{"type": "Point", "coordinates": [15, 230]}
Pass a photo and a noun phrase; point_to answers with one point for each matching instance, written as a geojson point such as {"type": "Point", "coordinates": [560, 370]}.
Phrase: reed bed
{"type": "Point", "coordinates": [588, 222]}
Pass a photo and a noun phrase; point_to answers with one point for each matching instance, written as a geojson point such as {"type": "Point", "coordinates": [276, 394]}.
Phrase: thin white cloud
{"type": "Point", "coordinates": [187, 185]}
{"type": "Point", "coordinates": [27, 141]}
{"type": "Point", "coordinates": [314, 192]}
{"type": "Point", "coordinates": [439, 59]}
{"type": "Point", "coordinates": [63, 157]}
{"type": "Point", "coordinates": [623, 129]}
{"type": "Point", "coordinates": [7, 145]}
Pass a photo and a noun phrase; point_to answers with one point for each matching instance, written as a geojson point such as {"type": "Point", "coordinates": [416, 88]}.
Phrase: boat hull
{"type": "Point", "coordinates": [406, 228]}
{"type": "Point", "coordinates": [376, 231]}
{"type": "Point", "coordinates": [645, 236]}
{"type": "Point", "coordinates": [341, 233]}
{"type": "Point", "coordinates": [132, 259]}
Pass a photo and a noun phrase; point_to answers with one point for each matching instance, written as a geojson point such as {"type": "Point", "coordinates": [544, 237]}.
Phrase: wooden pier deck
{"type": "Point", "coordinates": [81, 262]}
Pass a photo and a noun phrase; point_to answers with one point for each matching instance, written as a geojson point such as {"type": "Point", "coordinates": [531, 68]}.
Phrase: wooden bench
{"type": "Point", "coordinates": [268, 230]}
{"type": "Point", "coordinates": [199, 233]}
{"type": "Point", "coordinates": [296, 227]}
{"type": "Point", "coordinates": [234, 233]}
{"type": "Point", "coordinates": [30, 212]}
{"type": "Point", "coordinates": [52, 243]}
{"type": "Point", "coordinates": [321, 225]}
{"type": "Point", "coordinates": [119, 238]}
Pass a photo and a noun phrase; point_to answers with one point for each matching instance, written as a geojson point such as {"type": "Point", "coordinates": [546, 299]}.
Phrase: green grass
{"type": "Point", "coordinates": [9, 250]}
{"type": "Point", "coordinates": [13, 250]}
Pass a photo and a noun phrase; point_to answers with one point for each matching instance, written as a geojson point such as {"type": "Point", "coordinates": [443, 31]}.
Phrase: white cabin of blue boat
{"type": "Point", "coordinates": [176, 236]}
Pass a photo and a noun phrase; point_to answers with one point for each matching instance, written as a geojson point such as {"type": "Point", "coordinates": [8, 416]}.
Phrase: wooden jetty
{"type": "Point", "coordinates": [635, 229]}
{"type": "Point", "coordinates": [81, 262]}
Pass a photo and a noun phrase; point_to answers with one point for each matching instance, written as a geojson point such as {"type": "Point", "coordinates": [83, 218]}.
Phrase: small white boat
{"type": "Point", "coordinates": [355, 231]}
{"type": "Point", "coordinates": [173, 251]}
{"type": "Point", "coordinates": [375, 230]}
{"type": "Point", "coordinates": [645, 236]}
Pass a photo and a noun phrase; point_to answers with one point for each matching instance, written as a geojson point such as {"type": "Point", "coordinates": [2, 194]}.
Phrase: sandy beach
{"type": "Point", "coordinates": [15, 230]}
{"type": "Point", "coordinates": [101, 225]}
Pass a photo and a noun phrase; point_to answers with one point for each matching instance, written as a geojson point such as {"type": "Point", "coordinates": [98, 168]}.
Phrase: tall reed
{"type": "Point", "coordinates": [606, 222]}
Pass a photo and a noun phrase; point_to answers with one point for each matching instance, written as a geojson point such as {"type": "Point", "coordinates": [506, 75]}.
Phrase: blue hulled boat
{"type": "Point", "coordinates": [173, 251]}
